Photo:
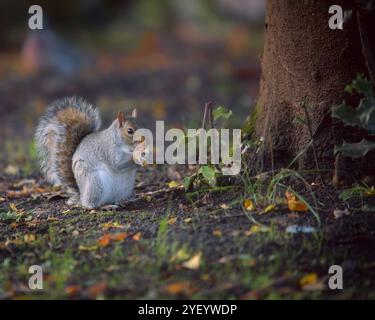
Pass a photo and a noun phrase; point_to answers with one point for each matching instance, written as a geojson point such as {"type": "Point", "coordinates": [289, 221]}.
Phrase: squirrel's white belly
{"type": "Point", "coordinates": [117, 186]}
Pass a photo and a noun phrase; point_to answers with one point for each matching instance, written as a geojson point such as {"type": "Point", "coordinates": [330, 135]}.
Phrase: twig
{"type": "Point", "coordinates": [309, 126]}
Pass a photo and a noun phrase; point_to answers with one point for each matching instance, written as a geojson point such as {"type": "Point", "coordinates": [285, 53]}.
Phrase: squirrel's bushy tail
{"type": "Point", "coordinates": [60, 130]}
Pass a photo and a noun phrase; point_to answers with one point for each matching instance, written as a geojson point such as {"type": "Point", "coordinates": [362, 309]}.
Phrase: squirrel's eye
{"type": "Point", "coordinates": [130, 131]}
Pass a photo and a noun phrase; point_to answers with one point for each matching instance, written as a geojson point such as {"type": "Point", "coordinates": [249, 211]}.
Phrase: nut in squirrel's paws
{"type": "Point", "coordinates": [141, 154]}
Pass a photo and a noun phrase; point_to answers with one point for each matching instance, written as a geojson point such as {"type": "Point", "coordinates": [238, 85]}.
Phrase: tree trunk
{"type": "Point", "coordinates": [305, 68]}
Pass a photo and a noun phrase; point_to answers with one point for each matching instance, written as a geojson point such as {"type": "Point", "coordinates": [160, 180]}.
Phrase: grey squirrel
{"type": "Point", "coordinates": [95, 167]}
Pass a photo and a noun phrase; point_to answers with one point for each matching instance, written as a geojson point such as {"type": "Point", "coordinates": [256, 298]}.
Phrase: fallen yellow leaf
{"type": "Point", "coordinates": [29, 238]}
{"type": "Point", "coordinates": [180, 255]}
{"type": "Point", "coordinates": [111, 224]}
{"type": "Point", "coordinates": [13, 207]}
{"type": "Point", "coordinates": [194, 262]}
{"type": "Point", "coordinates": [217, 233]}
{"type": "Point", "coordinates": [309, 279]}
{"type": "Point", "coordinates": [87, 248]}
{"type": "Point", "coordinates": [173, 184]}
{"type": "Point", "coordinates": [249, 205]}
{"type": "Point", "coordinates": [370, 192]}
{"type": "Point", "coordinates": [256, 228]}
{"type": "Point", "coordinates": [269, 208]}
{"type": "Point", "coordinates": [224, 206]}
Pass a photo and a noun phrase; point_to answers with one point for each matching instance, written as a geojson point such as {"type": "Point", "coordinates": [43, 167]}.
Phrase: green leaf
{"type": "Point", "coordinates": [362, 86]}
{"type": "Point", "coordinates": [221, 112]}
{"type": "Point", "coordinates": [366, 114]}
{"type": "Point", "coordinates": [209, 173]}
{"type": "Point", "coordinates": [188, 181]}
{"type": "Point", "coordinates": [346, 114]}
{"type": "Point", "coordinates": [357, 149]}
{"type": "Point", "coordinates": [363, 116]}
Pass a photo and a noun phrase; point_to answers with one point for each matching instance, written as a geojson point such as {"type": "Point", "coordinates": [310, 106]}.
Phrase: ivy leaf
{"type": "Point", "coordinates": [209, 174]}
{"type": "Point", "coordinates": [357, 149]}
{"type": "Point", "coordinates": [361, 85]}
{"type": "Point", "coordinates": [221, 112]}
{"type": "Point", "coordinates": [366, 114]}
{"type": "Point", "coordinates": [346, 114]}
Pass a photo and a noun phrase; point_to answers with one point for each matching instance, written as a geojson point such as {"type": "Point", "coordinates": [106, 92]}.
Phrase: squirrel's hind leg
{"type": "Point", "coordinates": [91, 190]}
{"type": "Point", "coordinates": [74, 198]}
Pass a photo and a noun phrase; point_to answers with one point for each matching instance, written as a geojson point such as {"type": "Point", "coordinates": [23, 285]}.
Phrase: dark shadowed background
{"type": "Point", "coordinates": [167, 58]}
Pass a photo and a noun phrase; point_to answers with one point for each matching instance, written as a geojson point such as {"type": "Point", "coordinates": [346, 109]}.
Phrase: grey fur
{"type": "Point", "coordinates": [102, 163]}
{"type": "Point", "coordinates": [48, 124]}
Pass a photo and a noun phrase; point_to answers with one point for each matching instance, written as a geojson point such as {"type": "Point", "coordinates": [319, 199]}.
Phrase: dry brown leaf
{"type": "Point", "coordinates": [137, 236]}
{"type": "Point", "coordinates": [172, 220]}
{"type": "Point", "coordinates": [12, 170]}
{"type": "Point", "coordinates": [217, 233]}
{"type": "Point", "coordinates": [97, 288]}
{"type": "Point", "coordinates": [28, 238]}
{"type": "Point", "coordinates": [194, 262]}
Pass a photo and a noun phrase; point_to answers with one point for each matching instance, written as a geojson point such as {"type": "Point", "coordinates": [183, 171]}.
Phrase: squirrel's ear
{"type": "Point", "coordinates": [120, 118]}
{"type": "Point", "coordinates": [134, 113]}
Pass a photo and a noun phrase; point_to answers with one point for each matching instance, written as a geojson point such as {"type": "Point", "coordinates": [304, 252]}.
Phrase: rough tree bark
{"type": "Point", "coordinates": [305, 67]}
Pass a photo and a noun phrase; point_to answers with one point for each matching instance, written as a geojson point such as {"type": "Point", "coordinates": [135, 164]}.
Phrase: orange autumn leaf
{"type": "Point", "coordinates": [104, 240]}
{"type": "Point", "coordinates": [137, 236]}
{"type": "Point", "coordinates": [178, 288]}
{"type": "Point", "coordinates": [97, 288]}
{"type": "Point", "coordinates": [119, 236]}
{"type": "Point", "coordinates": [290, 196]}
{"type": "Point", "coordinates": [71, 290]}
{"type": "Point", "coordinates": [295, 205]}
